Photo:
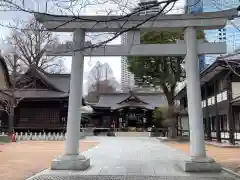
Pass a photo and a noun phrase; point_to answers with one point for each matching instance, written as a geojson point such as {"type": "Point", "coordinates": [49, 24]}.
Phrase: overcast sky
{"type": "Point", "coordinates": [114, 62]}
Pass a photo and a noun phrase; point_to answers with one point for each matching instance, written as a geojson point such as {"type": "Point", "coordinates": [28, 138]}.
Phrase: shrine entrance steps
{"type": "Point", "coordinates": [132, 134]}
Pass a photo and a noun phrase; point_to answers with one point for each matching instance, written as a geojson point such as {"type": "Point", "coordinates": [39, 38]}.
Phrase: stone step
{"type": "Point", "coordinates": [133, 134]}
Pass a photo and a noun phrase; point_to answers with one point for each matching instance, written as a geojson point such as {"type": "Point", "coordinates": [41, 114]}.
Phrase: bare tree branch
{"type": "Point", "coordinates": [100, 80]}
{"type": "Point", "coordinates": [19, 7]}
{"type": "Point", "coordinates": [30, 46]}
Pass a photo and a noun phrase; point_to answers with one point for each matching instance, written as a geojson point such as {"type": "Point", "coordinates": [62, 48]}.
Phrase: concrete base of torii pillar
{"type": "Point", "coordinates": [72, 159]}
{"type": "Point", "coordinates": [199, 162]}
{"type": "Point", "coordinates": [71, 162]}
{"type": "Point", "coordinates": [205, 164]}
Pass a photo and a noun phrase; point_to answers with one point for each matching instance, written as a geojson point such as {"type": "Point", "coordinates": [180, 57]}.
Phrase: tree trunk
{"type": "Point", "coordinates": [172, 128]}
{"type": "Point", "coordinates": [13, 98]}
{"type": "Point", "coordinates": [11, 121]}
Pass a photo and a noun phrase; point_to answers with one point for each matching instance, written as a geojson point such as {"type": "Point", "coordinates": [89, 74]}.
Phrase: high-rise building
{"type": "Point", "coordinates": [196, 6]}
{"type": "Point", "coordinates": [127, 78]}
{"type": "Point", "coordinates": [143, 4]}
{"type": "Point", "coordinates": [230, 34]}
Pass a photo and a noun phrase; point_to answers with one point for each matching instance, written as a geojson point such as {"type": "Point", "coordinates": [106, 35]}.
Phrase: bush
{"type": "Point", "coordinates": [162, 116]}
{"type": "Point", "coordinates": [124, 129]}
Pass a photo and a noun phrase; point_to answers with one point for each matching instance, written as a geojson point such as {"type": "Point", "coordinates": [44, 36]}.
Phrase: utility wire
{"type": "Point", "coordinates": [167, 2]}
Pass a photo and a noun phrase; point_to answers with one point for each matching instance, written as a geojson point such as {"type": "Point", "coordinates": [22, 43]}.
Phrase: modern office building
{"type": "Point", "coordinates": [230, 34]}
{"type": "Point", "coordinates": [127, 78]}
{"type": "Point", "coordinates": [194, 6]}
{"type": "Point", "coordinates": [144, 4]}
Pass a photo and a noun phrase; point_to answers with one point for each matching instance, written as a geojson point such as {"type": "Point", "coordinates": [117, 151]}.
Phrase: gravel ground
{"type": "Point", "coordinates": [23, 159]}
{"type": "Point", "coordinates": [228, 157]}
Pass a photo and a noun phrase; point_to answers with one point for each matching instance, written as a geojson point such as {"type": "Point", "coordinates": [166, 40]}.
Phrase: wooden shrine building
{"type": "Point", "coordinates": [220, 93]}
{"type": "Point", "coordinates": [129, 110]}
{"type": "Point", "coordinates": [41, 100]}
{"type": "Point", "coordinates": [42, 104]}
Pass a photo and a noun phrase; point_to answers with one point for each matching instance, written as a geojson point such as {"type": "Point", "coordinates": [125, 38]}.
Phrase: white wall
{"type": "Point", "coordinates": [235, 89]}
{"type": "Point", "coordinates": [185, 125]}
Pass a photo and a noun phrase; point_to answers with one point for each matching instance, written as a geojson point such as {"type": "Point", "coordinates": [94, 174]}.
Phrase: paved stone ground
{"type": "Point", "coordinates": [130, 158]}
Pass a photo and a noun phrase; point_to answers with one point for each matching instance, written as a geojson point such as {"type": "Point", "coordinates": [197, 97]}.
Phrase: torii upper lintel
{"type": "Point", "coordinates": [210, 20]}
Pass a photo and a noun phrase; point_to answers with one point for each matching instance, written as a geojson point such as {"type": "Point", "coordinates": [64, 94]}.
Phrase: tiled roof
{"type": "Point", "coordinates": [37, 93]}
{"type": "Point", "coordinates": [61, 81]}
{"type": "Point", "coordinates": [60, 84]}
{"type": "Point", "coordinates": [112, 100]}
{"type": "Point", "coordinates": [206, 75]}
{"type": "Point", "coordinates": [5, 69]}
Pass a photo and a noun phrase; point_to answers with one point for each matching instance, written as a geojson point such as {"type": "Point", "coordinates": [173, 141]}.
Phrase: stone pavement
{"type": "Point", "coordinates": [130, 158]}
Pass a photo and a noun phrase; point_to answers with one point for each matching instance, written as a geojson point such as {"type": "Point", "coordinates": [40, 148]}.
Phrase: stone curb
{"type": "Point", "coordinates": [178, 140]}
{"type": "Point", "coordinates": [237, 175]}
{"type": "Point", "coordinates": [30, 176]}
{"type": "Point", "coordinates": [221, 146]}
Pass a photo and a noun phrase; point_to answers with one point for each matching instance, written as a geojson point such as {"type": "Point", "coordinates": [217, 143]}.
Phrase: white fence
{"type": "Point", "coordinates": [226, 135]}
{"type": "Point", "coordinates": [34, 136]}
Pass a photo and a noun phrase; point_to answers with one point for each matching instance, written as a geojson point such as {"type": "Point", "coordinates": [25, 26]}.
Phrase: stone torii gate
{"type": "Point", "coordinates": [71, 159]}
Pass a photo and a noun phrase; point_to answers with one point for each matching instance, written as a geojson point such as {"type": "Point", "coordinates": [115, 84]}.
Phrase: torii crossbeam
{"type": "Point", "coordinates": [178, 49]}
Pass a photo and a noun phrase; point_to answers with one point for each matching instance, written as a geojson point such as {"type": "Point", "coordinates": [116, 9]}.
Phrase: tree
{"type": "Point", "coordinates": [29, 45]}
{"type": "Point", "coordinates": [75, 8]}
{"type": "Point", "coordinates": [163, 71]}
{"type": "Point", "coordinates": [100, 80]}
{"type": "Point", "coordinates": [99, 88]}
{"type": "Point", "coordinates": [158, 117]}
{"type": "Point", "coordinates": [166, 117]}
{"type": "Point", "coordinates": [12, 100]}
{"type": "Point", "coordinates": [29, 48]}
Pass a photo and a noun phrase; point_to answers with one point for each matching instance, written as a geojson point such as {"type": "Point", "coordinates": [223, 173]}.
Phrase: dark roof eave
{"type": "Point", "coordinates": [50, 97]}
{"type": "Point", "coordinates": [100, 107]}
{"type": "Point", "coordinates": [6, 72]}
{"type": "Point", "coordinates": [41, 74]}
{"type": "Point", "coordinates": [132, 94]}
{"type": "Point", "coordinates": [209, 69]}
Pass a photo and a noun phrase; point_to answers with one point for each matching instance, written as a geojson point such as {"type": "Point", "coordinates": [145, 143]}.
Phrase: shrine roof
{"type": "Point", "coordinates": [58, 86]}
{"type": "Point", "coordinates": [215, 68]}
{"type": "Point", "coordinates": [131, 99]}
{"type": "Point", "coordinates": [61, 81]}
{"type": "Point", "coordinates": [38, 93]}
{"type": "Point", "coordinates": [5, 71]}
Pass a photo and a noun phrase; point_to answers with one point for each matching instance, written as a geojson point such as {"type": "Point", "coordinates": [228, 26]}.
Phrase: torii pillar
{"type": "Point", "coordinates": [199, 162]}
{"type": "Point", "coordinates": [71, 159]}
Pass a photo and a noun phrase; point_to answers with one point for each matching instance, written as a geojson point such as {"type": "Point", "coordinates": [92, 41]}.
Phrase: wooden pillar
{"type": "Point", "coordinates": [231, 123]}
{"type": "Point", "coordinates": [218, 131]}
{"type": "Point", "coordinates": [208, 121]}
